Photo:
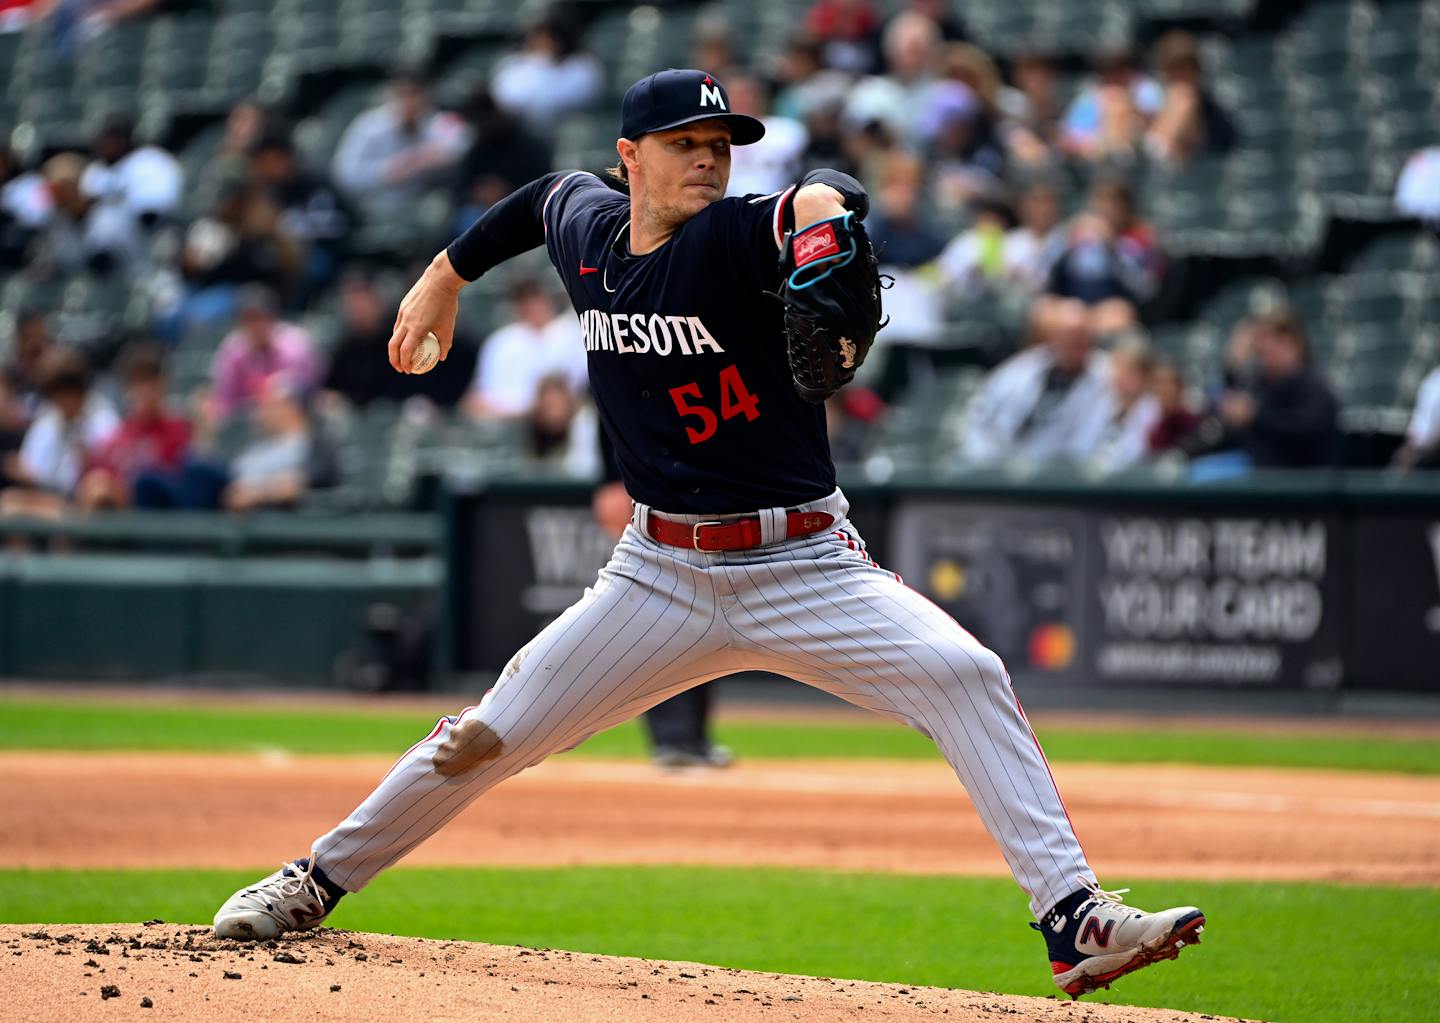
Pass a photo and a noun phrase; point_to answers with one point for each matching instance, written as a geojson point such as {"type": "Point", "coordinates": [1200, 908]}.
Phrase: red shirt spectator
{"type": "Point", "coordinates": [151, 438]}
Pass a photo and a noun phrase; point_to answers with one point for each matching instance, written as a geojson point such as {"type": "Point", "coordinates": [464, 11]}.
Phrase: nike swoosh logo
{"type": "Point", "coordinates": [588, 270]}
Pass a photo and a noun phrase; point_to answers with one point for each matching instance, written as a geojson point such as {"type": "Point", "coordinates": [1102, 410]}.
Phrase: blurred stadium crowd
{"type": "Point", "coordinates": [1105, 220]}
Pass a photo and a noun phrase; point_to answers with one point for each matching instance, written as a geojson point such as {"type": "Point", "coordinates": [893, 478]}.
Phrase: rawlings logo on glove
{"type": "Point", "coordinates": [831, 289]}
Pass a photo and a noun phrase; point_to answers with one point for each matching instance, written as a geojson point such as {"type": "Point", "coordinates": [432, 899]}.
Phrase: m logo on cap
{"type": "Point", "coordinates": [710, 93]}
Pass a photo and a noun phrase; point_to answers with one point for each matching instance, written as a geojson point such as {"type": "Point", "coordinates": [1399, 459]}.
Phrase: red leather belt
{"type": "Point", "coordinates": [733, 534]}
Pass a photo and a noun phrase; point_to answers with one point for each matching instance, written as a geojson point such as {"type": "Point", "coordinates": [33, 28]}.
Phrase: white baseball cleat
{"type": "Point", "coordinates": [291, 899]}
{"type": "Point", "coordinates": [1093, 937]}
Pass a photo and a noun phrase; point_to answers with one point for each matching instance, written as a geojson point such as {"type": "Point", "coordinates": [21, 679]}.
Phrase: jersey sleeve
{"type": "Point", "coordinates": [520, 221]}
{"type": "Point", "coordinates": [759, 222]}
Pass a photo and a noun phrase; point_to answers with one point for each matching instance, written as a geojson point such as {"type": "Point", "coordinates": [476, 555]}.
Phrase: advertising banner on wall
{"type": "Point", "coordinates": [1395, 571]}
{"type": "Point", "coordinates": [1150, 596]}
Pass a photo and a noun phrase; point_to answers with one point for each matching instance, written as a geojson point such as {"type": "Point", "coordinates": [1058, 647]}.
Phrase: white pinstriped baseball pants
{"type": "Point", "coordinates": [661, 619]}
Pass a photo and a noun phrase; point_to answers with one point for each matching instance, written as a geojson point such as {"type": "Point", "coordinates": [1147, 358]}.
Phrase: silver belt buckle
{"type": "Point", "coordinates": [695, 535]}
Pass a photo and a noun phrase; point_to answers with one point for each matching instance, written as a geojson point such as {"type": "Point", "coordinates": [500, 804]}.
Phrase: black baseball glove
{"type": "Point", "coordinates": [830, 283]}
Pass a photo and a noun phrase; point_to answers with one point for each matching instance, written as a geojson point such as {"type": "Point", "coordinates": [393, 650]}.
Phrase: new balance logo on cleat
{"type": "Point", "coordinates": [1094, 938]}
{"type": "Point", "coordinates": [1094, 935]}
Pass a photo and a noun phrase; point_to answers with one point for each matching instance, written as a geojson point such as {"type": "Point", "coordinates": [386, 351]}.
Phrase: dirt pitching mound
{"type": "Point", "coordinates": [144, 972]}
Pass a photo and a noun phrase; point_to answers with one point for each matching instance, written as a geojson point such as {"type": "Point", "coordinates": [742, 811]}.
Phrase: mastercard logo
{"type": "Point", "coordinates": [1052, 647]}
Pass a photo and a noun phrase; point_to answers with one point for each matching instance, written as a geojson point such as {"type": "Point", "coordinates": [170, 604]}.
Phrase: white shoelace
{"type": "Point", "coordinates": [302, 881]}
{"type": "Point", "coordinates": [1096, 894]}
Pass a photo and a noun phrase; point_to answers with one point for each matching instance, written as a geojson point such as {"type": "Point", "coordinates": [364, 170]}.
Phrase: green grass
{"type": "Point", "coordinates": [38, 724]}
{"type": "Point", "coordinates": [1304, 952]}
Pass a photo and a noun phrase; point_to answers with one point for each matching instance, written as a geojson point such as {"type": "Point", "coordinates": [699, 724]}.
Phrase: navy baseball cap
{"type": "Point", "coordinates": [667, 99]}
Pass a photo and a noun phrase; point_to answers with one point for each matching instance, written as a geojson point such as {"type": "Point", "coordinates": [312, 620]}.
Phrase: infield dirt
{"type": "Point", "coordinates": [88, 972]}
{"type": "Point", "coordinates": [165, 810]}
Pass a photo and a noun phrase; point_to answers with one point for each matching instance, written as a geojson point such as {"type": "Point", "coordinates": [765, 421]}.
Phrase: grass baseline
{"type": "Point", "coordinates": [27, 723]}
{"type": "Point", "coordinates": [1270, 950]}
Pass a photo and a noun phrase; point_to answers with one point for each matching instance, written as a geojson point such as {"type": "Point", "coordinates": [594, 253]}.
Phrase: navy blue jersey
{"type": "Point", "coordinates": [686, 353]}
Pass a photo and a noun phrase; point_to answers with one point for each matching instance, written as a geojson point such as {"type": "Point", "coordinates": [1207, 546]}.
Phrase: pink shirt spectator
{"type": "Point", "coordinates": [241, 368]}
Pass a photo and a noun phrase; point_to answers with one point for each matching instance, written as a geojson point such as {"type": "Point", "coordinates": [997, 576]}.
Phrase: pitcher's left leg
{"type": "Point", "coordinates": [846, 626]}
{"type": "Point", "coordinates": [833, 619]}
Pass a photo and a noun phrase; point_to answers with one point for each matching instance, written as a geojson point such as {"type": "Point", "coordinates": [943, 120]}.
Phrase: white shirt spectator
{"type": "Point", "coordinates": [895, 104]}
{"type": "Point", "coordinates": [1424, 429]}
{"type": "Point", "coordinates": [364, 160]}
{"type": "Point", "coordinates": [1417, 193]}
{"type": "Point", "coordinates": [1124, 440]}
{"type": "Point", "coordinates": [517, 357]}
{"type": "Point", "coordinates": [539, 89]}
{"type": "Point", "coordinates": [1024, 260]}
{"type": "Point", "coordinates": [1028, 256]}
{"type": "Point", "coordinates": [1015, 416]}
{"type": "Point", "coordinates": [144, 181]}
{"type": "Point", "coordinates": [54, 452]}
{"type": "Point", "coordinates": [27, 199]}
{"type": "Point", "coordinates": [771, 164]}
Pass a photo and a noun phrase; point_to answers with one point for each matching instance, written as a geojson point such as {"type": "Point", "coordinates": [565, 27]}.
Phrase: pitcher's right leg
{"type": "Point", "coordinates": [646, 630]}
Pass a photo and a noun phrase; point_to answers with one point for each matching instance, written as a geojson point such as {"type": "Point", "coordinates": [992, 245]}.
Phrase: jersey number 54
{"type": "Point", "coordinates": [735, 400]}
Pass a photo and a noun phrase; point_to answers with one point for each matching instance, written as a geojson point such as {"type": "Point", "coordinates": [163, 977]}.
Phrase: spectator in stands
{"type": "Point", "coordinates": [1045, 404]}
{"type": "Point", "coordinates": [1030, 112]}
{"type": "Point", "coordinates": [503, 156]}
{"type": "Point", "coordinates": [1131, 411]}
{"type": "Point", "coordinates": [804, 83]}
{"type": "Point", "coordinates": [561, 430]}
{"type": "Point", "coordinates": [1417, 192]}
{"type": "Point", "coordinates": [391, 154]}
{"type": "Point", "coordinates": [23, 206]}
{"type": "Point", "coordinates": [240, 240]}
{"type": "Point", "coordinates": [907, 241]}
{"type": "Point", "coordinates": [273, 471]}
{"type": "Point", "coordinates": [140, 183]}
{"type": "Point", "coordinates": [1421, 449]}
{"type": "Point", "coordinates": [19, 385]}
{"type": "Point", "coordinates": [244, 126]}
{"type": "Point", "coordinates": [539, 343]}
{"type": "Point", "coordinates": [712, 44]}
{"type": "Point", "coordinates": [1189, 120]}
{"type": "Point", "coordinates": [897, 98]}
{"type": "Point", "coordinates": [551, 76]}
{"type": "Point", "coordinates": [994, 255]}
{"type": "Point", "coordinates": [1108, 117]}
{"type": "Point", "coordinates": [830, 145]}
{"type": "Point", "coordinates": [310, 211]}
{"type": "Point", "coordinates": [260, 346]}
{"type": "Point", "coordinates": [1174, 430]}
{"type": "Point", "coordinates": [152, 440]}
{"type": "Point", "coordinates": [942, 13]}
{"type": "Point", "coordinates": [29, 350]}
{"type": "Point", "coordinates": [1032, 247]}
{"type": "Point", "coordinates": [897, 223]}
{"type": "Point", "coordinates": [70, 239]}
{"type": "Point", "coordinates": [773, 163]}
{"type": "Point", "coordinates": [1277, 411]}
{"type": "Point", "coordinates": [975, 259]}
{"type": "Point", "coordinates": [1111, 260]}
{"type": "Point", "coordinates": [955, 132]}
{"type": "Point", "coordinates": [359, 373]}
{"type": "Point", "coordinates": [71, 426]}
{"type": "Point", "coordinates": [850, 420]}
{"type": "Point", "coordinates": [846, 31]}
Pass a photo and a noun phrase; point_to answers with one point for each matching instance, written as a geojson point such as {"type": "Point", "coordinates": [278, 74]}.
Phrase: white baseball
{"type": "Point", "coordinates": [426, 354]}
